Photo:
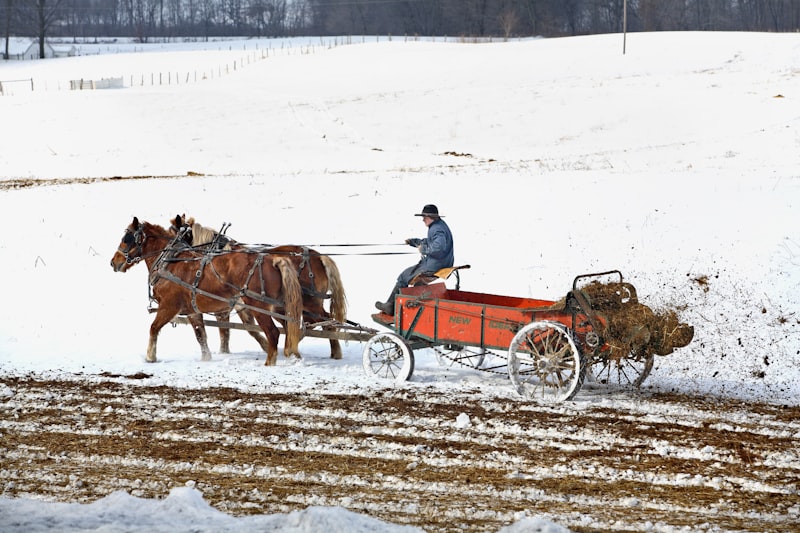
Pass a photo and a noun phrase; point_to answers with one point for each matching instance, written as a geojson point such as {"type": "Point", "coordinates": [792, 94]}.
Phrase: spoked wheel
{"type": "Point", "coordinates": [629, 371]}
{"type": "Point", "coordinates": [469, 356]}
{"type": "Point", "coordinates": [544, 363]}
{"type": "Point", "coordinates": [388, 356]}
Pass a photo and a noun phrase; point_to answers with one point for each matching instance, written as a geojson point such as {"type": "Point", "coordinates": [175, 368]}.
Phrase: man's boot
{"type": "Point", "coordinates": [388, 306]}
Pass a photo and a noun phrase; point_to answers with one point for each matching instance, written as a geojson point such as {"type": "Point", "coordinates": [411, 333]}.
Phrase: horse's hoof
{"type": "Point", "coordinates": [206, 358]}
{"type": "Point", "coordinates": [336, 356]}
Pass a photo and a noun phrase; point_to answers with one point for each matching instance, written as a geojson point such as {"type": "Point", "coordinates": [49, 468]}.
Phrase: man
{"type": "Point", "coordinates": [436, 250]}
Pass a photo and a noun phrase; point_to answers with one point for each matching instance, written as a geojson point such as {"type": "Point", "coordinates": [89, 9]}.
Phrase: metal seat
{"type": "Point", "coordinates": [425, 278]}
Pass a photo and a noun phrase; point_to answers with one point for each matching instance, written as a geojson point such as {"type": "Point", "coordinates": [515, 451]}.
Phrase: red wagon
{"type": "Point", "coordinates": [549, 345]}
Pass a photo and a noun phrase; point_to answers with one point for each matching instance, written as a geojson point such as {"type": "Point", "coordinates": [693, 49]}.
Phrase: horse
{"type": "Point", "coordinates": [318, 274]}
{"type": "Point", "coordinates": [184, 281]}
{"type": "Point", "coordinates": [177, 225]}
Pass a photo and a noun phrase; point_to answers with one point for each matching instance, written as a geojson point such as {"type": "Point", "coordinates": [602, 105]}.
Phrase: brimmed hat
{"type": "Point", "coordinates": [429, 210]}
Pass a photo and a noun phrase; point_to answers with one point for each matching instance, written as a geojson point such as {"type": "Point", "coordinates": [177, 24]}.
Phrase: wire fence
{"type": "Point", "coordinates": [157, 78]}
{"type": "Point", "coordinates": [8, 84]}
{"type": "Point", "coordinates": [181, 76]}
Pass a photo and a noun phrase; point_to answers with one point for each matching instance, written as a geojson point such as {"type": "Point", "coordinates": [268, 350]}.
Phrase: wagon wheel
{"type": "Point", "coordinates": [388, 356]}
{"type": "Point", "coordinates": [544, 363]}
{"type": "Point", "coordinates": [628, 371]}
{"type": "Point", "coordinates": [448, 354]}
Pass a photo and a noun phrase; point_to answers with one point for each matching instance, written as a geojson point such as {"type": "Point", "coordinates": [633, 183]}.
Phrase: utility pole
{"type": "Point", "coordinates": [624, 24]}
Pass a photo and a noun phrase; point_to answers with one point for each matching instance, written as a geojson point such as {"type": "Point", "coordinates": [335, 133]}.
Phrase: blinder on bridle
{"type": "Point", "coordinates": [184, 232]}
{"type": "Point", "coordinates": [133, 241]}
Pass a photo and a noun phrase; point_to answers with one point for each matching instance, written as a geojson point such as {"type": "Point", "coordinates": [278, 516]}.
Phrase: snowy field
{"type": "Point", "coordinates": [677, 163]}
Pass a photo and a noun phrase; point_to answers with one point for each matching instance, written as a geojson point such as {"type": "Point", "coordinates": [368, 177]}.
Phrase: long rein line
{"type": "Point", "coordinates": [268, 249]}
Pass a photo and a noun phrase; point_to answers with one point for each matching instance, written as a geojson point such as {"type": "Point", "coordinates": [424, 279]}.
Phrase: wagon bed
{"type": "Point", "coordinates": [434, 314]}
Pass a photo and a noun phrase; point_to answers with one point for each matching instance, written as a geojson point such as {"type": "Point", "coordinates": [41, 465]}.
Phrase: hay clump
{"type": "Point", "coordinates": [632, 327]}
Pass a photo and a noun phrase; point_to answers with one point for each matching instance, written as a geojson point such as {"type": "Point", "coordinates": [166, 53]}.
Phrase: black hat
{"type": "Point", "coordinates": [429, 210]}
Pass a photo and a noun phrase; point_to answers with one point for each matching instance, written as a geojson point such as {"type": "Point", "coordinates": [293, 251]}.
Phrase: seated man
{"type": "Point", "coordinates": [436, 250]}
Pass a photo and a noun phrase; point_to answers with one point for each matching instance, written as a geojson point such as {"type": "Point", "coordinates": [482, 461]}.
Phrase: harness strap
{"type": "Point", "coordinates": [307, 261]}
{"type": "Point", "coordinates": [169, 276]}
{"type": "Point", "coordinates": [197, 277]}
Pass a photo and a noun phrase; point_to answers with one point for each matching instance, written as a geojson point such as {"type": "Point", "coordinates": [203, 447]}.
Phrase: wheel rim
{"type": "Point", "coordinates": [544, 364]}
{"type": "Point", "coordinates": [388, 356]}
{"type": "Point", "coordinates": [626, 372]}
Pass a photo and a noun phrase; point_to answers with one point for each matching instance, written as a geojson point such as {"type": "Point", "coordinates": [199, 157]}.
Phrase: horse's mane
{"type": "Point", "coordinates": [154, 229]}
{"type": "Point", "coordinates": [202, 234]}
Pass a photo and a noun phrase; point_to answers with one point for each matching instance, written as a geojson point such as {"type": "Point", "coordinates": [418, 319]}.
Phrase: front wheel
{"type": "Point", "coordinates": [388, 356]}
{"type": "Point", "coordinates": [544, 364]}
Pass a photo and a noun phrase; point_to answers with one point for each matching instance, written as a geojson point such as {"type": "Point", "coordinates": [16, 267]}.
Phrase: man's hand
{"type": "Point", "coordinates": [413, 242]}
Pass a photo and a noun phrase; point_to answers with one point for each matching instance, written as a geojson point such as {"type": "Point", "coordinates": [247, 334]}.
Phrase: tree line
{"type": "Point", "coordinates": [172, 19]}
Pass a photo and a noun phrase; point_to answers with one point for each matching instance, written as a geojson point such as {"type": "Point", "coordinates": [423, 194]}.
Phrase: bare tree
{"type": "Point", "coordinates": [39, 16]}
{"type": "Point", "coordinates": [7, 26]}
{"type": "Point", "coordinates": [508, 20]}
{"type": "Point", "coordinates": [469, 18]}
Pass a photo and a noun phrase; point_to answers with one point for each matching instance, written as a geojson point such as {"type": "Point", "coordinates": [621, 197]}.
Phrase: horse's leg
{"type": "Point", "coordinates": [317, 309]}
{"type": "Point", "coordinates": [163, 316]}
{"type": "Point", "coordinates": [336, 348]}
{"type": "Point", "coordinates": [247, 318]}
{"type": "Point", "coordinates": [224, 333]}
{"type": "Point", "coordinates": [273, 335]}
{"type": "Point", "coordinates": [196, 320]}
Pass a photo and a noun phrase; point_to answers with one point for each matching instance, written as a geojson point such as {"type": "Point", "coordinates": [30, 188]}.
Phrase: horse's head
{"type": "Point", "coordinates": [197, 235]}
{"type": "Point", "coordinates": [129, 251]}
{"type": "Point", "coordinates": [182, 226]}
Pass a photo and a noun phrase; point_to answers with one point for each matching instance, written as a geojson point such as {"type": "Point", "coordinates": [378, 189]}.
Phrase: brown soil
{"type": "Point", "coordinates": [27, 183]}
{"type": "Point", "coordinates": [672, 460]}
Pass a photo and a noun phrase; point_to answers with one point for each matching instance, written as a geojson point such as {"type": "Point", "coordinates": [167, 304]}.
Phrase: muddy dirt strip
{"type": "Point", "coordinates": [439, 462]}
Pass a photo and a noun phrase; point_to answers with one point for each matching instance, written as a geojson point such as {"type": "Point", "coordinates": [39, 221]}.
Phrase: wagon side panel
{"type": "Point", "coordinates": [466, 323]}
{"type": "Point", "coordinates": [442, 322]}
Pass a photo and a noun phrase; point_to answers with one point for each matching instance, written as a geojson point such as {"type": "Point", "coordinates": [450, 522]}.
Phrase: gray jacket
{"type": "Point", "coordinates": [437, 247]}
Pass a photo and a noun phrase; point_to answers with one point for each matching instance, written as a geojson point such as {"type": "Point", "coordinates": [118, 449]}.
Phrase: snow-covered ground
{"type": "Point", "coordinates": [677, 163]}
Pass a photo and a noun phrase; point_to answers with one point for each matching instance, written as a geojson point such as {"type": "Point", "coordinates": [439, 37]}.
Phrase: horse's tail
{"type": "Point", "coordinates": [338, 296]}
{"type": "Point", "coordinates": [293, 304]}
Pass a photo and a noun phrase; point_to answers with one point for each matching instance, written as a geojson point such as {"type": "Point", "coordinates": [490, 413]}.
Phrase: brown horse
{"type": "Point", "coordinates": [319, 276]}
{"type": "Point", "coordinates": [178, 225]}
{"type": "Point", "coordinates": [186, 282]}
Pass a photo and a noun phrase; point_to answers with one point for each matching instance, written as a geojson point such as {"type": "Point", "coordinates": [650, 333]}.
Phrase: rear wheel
{"type": "Point", "coordinates": [544, 363]}
{"type": "Point", "coordinates": [629, 371]}
{"type": "Point", "coordinates": [468, 356]}
{"type": "Point", "coordinates": [388, 356]}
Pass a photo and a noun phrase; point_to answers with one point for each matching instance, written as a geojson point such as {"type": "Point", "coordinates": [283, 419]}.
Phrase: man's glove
{"type": "Point", "coordinates": [413, 242]}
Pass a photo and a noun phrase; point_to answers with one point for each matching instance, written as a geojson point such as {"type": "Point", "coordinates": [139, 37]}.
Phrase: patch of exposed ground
{"type": "Point", "coordinates": [27, 183]}
{"type": "Point", "coordinates": [400, 457]}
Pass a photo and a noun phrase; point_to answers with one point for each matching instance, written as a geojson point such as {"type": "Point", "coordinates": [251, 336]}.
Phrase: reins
{"type": "Point", "coordinates": [265, 248]}
{"type": "Point", "coordinates": [221, 239]}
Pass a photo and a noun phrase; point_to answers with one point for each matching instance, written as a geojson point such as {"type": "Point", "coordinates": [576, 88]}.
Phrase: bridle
{"type": "Point", "coordinates": [184, 232]}
{"type": "Point", "coordinates": [134, 243]}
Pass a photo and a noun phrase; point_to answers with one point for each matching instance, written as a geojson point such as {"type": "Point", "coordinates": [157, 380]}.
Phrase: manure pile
{"type": "Point", "coordinates": [632, 327]}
